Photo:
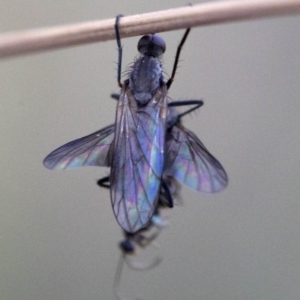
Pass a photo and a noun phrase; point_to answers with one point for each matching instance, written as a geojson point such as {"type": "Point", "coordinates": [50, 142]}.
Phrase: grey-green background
{"type": "Point", "coordinates": [58, 233]}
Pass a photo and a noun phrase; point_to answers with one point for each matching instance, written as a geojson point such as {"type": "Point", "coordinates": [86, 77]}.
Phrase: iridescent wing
{"type": "Point", "coordinates": [91, 150]}
{"type": "Point", "coordinates": [138, 161]}
{"type": "Point", "coordinates": [189, 161]}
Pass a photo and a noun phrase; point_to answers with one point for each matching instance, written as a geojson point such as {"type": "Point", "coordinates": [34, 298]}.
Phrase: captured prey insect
{"type": "Point", "coordinates": [138, 146]}
{"type": "Point", "coordinates": [142, 239]}
{"type": "Point", "coordinates": [146, 236]}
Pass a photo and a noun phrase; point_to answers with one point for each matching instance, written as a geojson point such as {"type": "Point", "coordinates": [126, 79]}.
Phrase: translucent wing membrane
{"type": "Point", "coordinates": [190, 162]}
{"type": "Point", "coordinates": [91, 150]}
{"type": "Point", "coordinates": [138, 161]}
{"type": "Point", "coordinates": [187, 159]}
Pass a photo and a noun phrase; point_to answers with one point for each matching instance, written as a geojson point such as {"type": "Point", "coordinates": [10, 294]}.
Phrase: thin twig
{"type": "Point", "coordinates": [18, 43]}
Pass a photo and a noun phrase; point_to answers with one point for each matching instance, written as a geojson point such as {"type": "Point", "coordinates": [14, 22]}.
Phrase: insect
{"type": "Point", "coordinates": [141, 239]}
{"type": "Point", "coordinates": [146, 140]}
{"type": "Point", "coordinates": [139, 143]}
{"type": "Point", "coordinates": [145, 237]}
{"type": "Point", "coordinates": [187, 159]}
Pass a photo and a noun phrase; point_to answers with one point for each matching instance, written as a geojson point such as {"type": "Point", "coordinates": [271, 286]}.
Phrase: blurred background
{"type": "Point", "coordinates": [58, 233]}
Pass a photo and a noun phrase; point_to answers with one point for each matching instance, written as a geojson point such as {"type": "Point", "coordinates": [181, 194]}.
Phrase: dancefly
{"type": "Point", "coordinates": [147, 139]}
{"type": "Point", "coordinates": [137, 149]}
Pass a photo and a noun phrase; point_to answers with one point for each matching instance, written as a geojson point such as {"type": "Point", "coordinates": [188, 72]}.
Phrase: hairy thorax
{"type": "Point", "coordinates": [145, 78]}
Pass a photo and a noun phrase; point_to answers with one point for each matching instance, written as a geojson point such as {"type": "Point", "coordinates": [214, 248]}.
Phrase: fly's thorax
{"type": "Point", "coordinates": [145, 78]}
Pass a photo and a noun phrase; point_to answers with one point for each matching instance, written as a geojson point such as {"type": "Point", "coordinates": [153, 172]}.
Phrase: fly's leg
{"type": "Point", "coordinates": [115, 96]}
{"type": "Point", "coordinates": [171, 79]}
{"type": "Point", "coordinates": [167, 194]}
{"type": "Point", "coordinates": [196, 103]}
{"type": "Point", "coordinates": [104, 182]}
{"type": "Point", "coordinates": [120, 50]}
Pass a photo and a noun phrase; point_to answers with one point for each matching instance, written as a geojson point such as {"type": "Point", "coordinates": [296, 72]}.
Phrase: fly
{"type": "Point", "coordinates": [136, 153]}
{"type": "Point", "coordinates": [140, 128]}
{"type": "Point", "coordinates": [146, 140]}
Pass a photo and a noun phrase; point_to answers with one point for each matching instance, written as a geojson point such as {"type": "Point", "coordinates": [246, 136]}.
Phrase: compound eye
{"type": "Point", "coordinates": [159, 42]}
{"type": "Point", "coordinates": [151, 40]}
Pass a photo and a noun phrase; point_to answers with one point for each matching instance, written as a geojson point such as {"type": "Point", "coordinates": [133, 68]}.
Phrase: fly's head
{"type": "Point", "coordinates": [146, 77]}
{"type": "Point", "coordinates": [151, 45]}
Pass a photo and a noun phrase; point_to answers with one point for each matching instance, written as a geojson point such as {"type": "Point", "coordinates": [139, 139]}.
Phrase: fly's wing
{"type": "Point", "coordinates": [91, 150]}
{"type": "Point", "coordinates": [189, 161]}
{"type": "Point", "coordinates": [138, 161]}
